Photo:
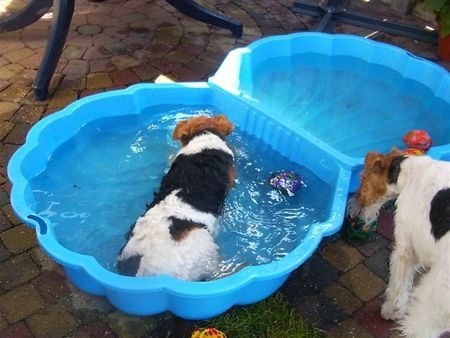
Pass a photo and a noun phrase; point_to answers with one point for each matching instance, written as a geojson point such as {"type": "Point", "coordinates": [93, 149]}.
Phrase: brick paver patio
{"type": "Point", "coordinates": [117, 43]}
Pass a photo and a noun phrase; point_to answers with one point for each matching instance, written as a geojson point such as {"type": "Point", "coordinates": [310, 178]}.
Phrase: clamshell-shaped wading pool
{"type": "Point", "coordinates": [309, 102]}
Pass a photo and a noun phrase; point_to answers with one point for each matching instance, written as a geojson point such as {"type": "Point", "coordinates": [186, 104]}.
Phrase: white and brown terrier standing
{"type": "Point", "coordinates": [176, 235]}
{"type": "Point", "coordinates": [421, 186]}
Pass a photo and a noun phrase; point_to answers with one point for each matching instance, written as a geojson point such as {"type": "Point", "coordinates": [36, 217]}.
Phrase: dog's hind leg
{"type": "Point", "coordinates": [428, 312]}
{"type": "Point", "coordinates": [402, 268]}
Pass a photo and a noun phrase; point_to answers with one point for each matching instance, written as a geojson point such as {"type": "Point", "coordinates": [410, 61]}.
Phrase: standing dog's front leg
{"type": "Point", "coordinates": [401, 278]}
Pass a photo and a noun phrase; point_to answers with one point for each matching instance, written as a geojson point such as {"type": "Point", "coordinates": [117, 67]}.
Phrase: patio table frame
{"type": "Point", "coordinates": [62, 16]}
{"type": "Point", "coordinates": [334, 11]}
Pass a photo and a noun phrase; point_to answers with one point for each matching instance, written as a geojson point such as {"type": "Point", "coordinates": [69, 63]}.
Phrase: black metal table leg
{"type": "Point", "coordinates": [197, 12]}
{"type": "Point", "coordinates": [334, 11]}
{"type": "Point", "coordinates": [326, 24]}
{"type": "Point", "coordinates": [62, 16]}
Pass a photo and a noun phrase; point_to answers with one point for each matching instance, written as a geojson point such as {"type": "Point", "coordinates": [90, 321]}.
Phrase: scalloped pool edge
{"type": "Point", "coordinates": [200, 300]}
{"type": "Point", "coordinates": [235, 71]}
{"type": "Point", "coordinates": [152, 295]}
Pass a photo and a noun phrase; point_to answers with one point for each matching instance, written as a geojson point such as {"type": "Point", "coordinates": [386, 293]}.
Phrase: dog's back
{"type": "Point", "coordinates": [176, 235]}
{"type": "Point", "coordinates": [423, 205]}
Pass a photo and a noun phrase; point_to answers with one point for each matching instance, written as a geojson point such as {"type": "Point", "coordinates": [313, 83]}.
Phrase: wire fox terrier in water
{"type": "Point", "coordinates": [176, 235]}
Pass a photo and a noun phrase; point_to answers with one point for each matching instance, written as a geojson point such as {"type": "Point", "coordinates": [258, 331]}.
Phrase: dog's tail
{"type": "Point", "coordinates": [428, 312]}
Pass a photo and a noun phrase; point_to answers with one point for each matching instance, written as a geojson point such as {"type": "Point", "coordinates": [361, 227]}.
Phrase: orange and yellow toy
{"type": "Point", "coordinates": [208, 332]}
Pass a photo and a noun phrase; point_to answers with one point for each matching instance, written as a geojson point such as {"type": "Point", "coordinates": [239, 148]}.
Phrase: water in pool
{"type": "Point", "coordinates": [352, 105]}
{"type": "Point", "coordinates": [97, 184]}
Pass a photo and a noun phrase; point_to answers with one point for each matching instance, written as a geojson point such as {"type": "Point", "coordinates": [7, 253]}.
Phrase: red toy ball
{"type": "Point", "coordinates": [417, 139]}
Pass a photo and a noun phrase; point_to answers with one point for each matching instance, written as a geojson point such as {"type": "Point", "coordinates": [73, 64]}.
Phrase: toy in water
{"type": "Point", "coordinates": [417, 139]}
{"type": "Point", "coordinates": [286, 181]}
{"type": "Point", "coordinates": [208, 332]}
{"type": "Point", "coordinates": [413, 152]}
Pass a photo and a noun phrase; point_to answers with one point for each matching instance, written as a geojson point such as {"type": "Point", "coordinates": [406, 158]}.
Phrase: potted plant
{"type": "Point", "coordinates": [442, 10]}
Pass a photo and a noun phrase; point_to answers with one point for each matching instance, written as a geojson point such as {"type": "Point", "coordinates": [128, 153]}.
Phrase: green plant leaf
{"type": "Point", "coordinates": [434, 5]}
{"type": "Point", "coordinates": [444, 20]}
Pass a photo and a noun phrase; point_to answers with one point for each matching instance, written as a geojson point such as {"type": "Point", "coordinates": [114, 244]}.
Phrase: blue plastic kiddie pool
{"type": "Point", "coordinates": [309, 102]}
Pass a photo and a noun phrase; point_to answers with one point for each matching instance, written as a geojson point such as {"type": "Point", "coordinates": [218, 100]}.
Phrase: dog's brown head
{"type": "Point", "coordinates": [185, 130]}
{"type": "Point", "coordinates": [375, 177]}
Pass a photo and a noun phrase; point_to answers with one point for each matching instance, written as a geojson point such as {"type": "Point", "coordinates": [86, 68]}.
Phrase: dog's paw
{"type": "Point", "coordinates": [390, 312]}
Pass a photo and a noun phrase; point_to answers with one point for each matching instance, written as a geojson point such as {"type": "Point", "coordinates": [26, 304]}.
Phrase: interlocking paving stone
{"type": "Point", "coordinates": [4, 254]}
{"type": "Point", "coordinates": [379, 263]}
{"type": "Point", "coordinates": [73, 83]}
{"type": "Point", "coordinates": [17, 270]}
{"type": "Point", "coordinates": [370, 318]}
{"type": "Point", "coordinates": [19, 238]}
{"type": "Point", "coordinates": [53, 322]}
{"type": "Point", "coordinates": [52, 286]}
{"type": "Point", "coordinates": [4, 84]}
{"type": "Point", "coordinates": [317, 273]}
{"type": "Point", "coordinates": [349, 328]}
{"type": "Point", "coordinates": [124, 77]}
{"type": "Point", "coordinates": [10, 70]}
{"type": "Point", "coordinates": [19, 54]}
{"type": "Point", "coordinates": [14, 93]}
{"type": "Point", "coordinates": [76, 68]}
{"type": "Point", "coordinates": [98, 80]}
{"type": "Point", "coordinates": [101, 65]}
{"type": "Point", "coordinates": [5, 128]}
{"type": "Point", "coordinates": [124, 61]}
{"type": "Point", "coordinates": [146, 72]}
{"type": "Point", "coordinates": [62, 98]}
{"type": "Point", "coordinates": [3, 61]}
{"type": "Point", "coordinates": [20, 302]}
{"type": "Point", "coordinates": [317, 309]}
{"type": "Point", "coordinates": [95, 330]}
{"type": "Point", "coordinates": [73, 52]}
{"type": "Point", "coordinates": [342, 297]}
{"type": "Point", "coordinates": [363, 282]}
{"type": "Point", "coordinates": [129, 326]}
{"type": "Point", "coordinates": [25, 77]}
{"type": "Point", "coordinates": [4, 222]}
{"type": "Point", "coordinates": [18, 134]}
{"type": "Point", "coordinates": [369, 246]}
{"type": "Point", "coordinates": [341, 255]}
{"type": "Point", "coordinates": [42, 259]}
{"type": "Point", "coordinates": [10, 214]}
{"type": "Point", "coordinates": [96, 52]}
{"type": "Point", "coordinates": [89, 29]}
{"type": "Point", "coordinates": [17, 330]}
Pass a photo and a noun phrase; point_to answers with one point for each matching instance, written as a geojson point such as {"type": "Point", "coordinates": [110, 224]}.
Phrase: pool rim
{"type": "Point", "coordinates": [114, 281]}
{"type": "Point", "coordinates": [226, 80]}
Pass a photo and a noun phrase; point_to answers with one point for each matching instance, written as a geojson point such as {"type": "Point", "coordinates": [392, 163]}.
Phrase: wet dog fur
{"type": "Point", "coordinates": [176, 235]}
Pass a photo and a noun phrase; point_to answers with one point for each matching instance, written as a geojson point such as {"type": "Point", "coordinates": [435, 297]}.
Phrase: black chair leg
{"type": "Point", "coordinates": [197, 12]}
{"type": "Point", "coordinates": [62, 16]}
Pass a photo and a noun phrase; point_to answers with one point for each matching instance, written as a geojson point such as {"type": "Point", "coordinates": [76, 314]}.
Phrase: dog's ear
{"type": "Point", "coordinates": [181, 131]}
{"type": "Point", "coordinates": [223, 125]}
{"type": "Point", "coordinates": [374, 162]}
{"type": "Point", "coordinates": [395, 151]}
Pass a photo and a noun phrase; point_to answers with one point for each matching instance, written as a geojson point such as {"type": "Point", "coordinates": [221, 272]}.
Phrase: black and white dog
{"type": "Point", "coordinates": [176, 235]}
{"type": "Point", "coordinates": [422, 237]}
